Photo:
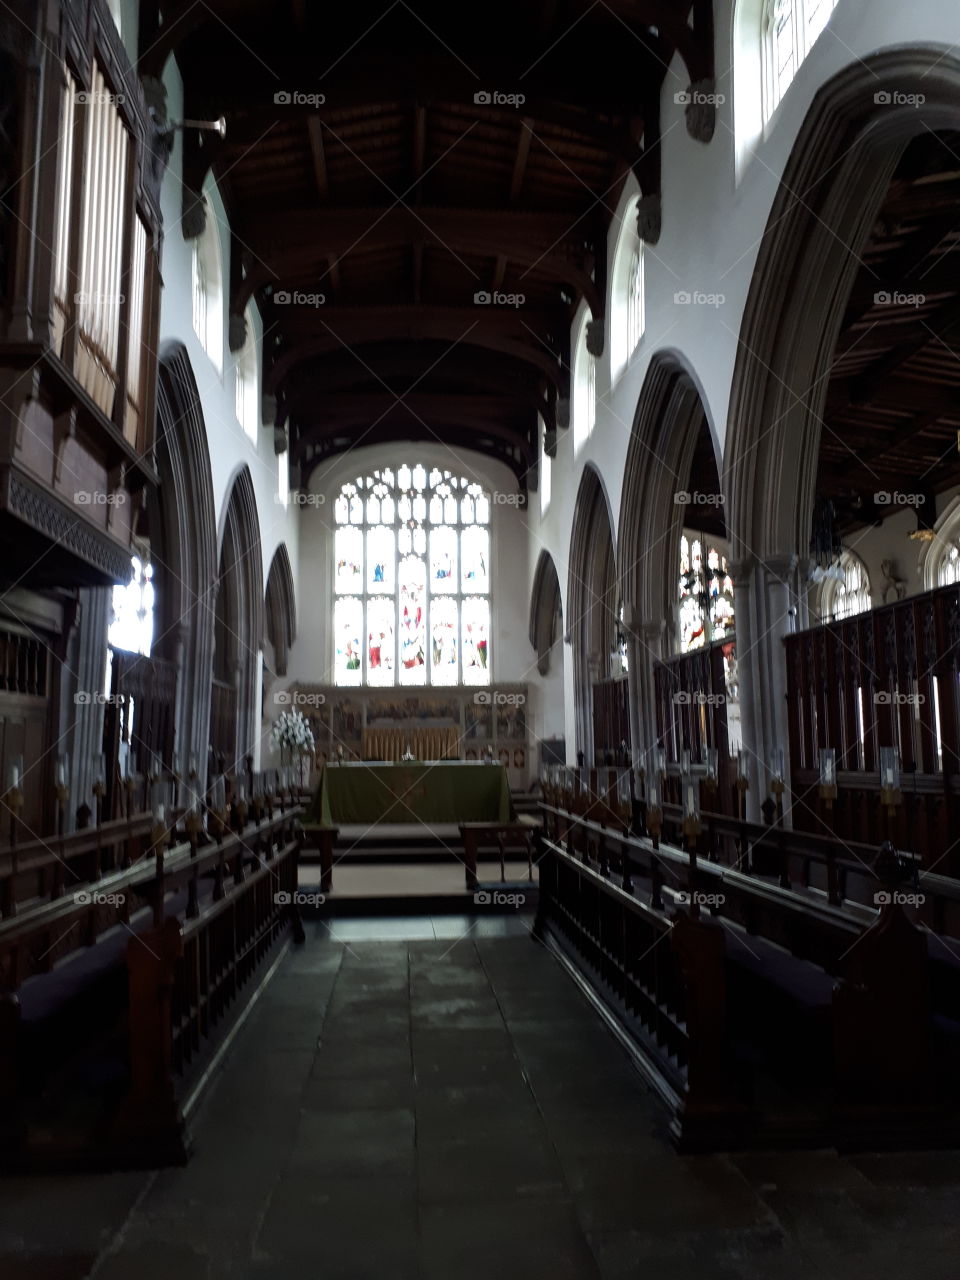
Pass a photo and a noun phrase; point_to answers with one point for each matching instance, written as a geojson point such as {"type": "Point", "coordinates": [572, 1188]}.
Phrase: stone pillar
{"type": "Point", "coordinates": [81, 704]}
{"type": "Point", "coordinates": [634, 687]}
{"type": "Point", "coordinates": [744, 585]}
{"type": "Point", "coordinates": [651, 644]}
{"type": "Point", "coordinates": [774, 614]}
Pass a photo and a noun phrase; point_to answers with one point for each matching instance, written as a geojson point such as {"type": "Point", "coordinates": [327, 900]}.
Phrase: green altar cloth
{"type": "Point", "coordinates": [447, 791]}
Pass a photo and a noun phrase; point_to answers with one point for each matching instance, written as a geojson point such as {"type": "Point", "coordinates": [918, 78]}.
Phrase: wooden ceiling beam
{"type": "Point", "coordinates": [354, 327]}
{"type": "Point", "coordinates": [318, 155]}
{"type": "Point", "coordinates": [520, 162]}
{"type": "Point", "coordinates": [942, 328]}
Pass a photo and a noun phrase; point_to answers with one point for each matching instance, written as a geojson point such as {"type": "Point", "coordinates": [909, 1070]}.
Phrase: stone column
{"type": "Point", "coordinates": [81, 705]}
{"type": "Point", "coordinates": [779, 599]}
{"type": "Point", "coordinates": [748, 667]}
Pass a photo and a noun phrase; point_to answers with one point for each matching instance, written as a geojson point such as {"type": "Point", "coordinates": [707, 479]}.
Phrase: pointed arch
{"type": "Point", "coordinates": [281, 609]}
{"type": "Point", "coordinates": [184, 547]}
{"type": "Point", "coordinates": [670, 415]}
{"type": "Point", "coordinates": [842, 163]}
{"type": "Point", "coordinates": [239, 623]}
{"type": "Point", "coordinates": [591, 598]}
{"type": "Point", "coordinates": [545, 605]}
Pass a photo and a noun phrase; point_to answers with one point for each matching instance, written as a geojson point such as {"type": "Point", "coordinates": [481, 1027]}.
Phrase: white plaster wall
{"type": "Point", "coordinates": [712, 228]}
{"type": "Point", "coordinates": [230, 447]}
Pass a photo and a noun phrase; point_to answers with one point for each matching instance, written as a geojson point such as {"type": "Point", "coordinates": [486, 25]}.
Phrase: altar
{"type": "Point", "coordinates": [426, 792]}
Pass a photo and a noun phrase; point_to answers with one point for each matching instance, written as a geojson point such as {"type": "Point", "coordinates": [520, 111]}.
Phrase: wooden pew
{"type": "Point", "coordinates": [227, 901]}
{"type": "Point", "coordinates": [48, 868]}
{"type": "Point", "coordinates": [815, 962]}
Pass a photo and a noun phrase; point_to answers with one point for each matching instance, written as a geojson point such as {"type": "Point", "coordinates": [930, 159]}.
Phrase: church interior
{"type": "Point", "coordinates": [479, 640]}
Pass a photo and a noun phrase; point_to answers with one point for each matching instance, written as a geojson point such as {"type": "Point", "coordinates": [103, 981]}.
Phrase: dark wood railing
{"type": "Point", "coordinates": [45, 870]}
{"type": "Point", "coordinates": [818, 920]}
{"type": "Point", "coordinates": [203, 914]}
{"type": "Point", "coordinates": [665, 980]}
{"type": "Point", "coordinates": [887, 678]}
{"type": "Point", "coordinates": [23, 664]}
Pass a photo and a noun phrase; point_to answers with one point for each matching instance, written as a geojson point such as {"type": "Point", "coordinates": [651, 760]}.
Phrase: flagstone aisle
{"type": "Point", "coordinates": [432, 1099]}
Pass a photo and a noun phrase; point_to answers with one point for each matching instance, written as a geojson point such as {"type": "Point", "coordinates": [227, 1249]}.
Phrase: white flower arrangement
{"type": "Point", "coordinates": [291, 732]}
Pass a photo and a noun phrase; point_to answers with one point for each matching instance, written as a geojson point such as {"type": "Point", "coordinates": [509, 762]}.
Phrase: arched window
{"type": "Point", "coordinates": [412, 579]}
{"type": "Point", "coordinates": [626, 295]}
{"type": "Point", "coordinates": [247, 397]}
{"type": "Point", "coordinates": [584, 390]}
{"type": "Point", "coordinates": [131, 622]}
{"type": "Point", "coordinates": [283, 478]}
{"type": "Point", "coordinates": [635, 300]}
{"type": "Point", "coordinates": [207, 279]}
{"type": "Point", "coordinates": [705, 594]}
{"type": "Point", "coordinates": [789, 31]}
{"type": "Point", "coordinates": [948, 570]}
{"type": "Point", "coordinates": [845, 590]}
{"type": "Point", "coordinates": [546, 473]}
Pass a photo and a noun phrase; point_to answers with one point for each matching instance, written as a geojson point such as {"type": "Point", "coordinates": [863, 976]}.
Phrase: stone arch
{"type": "Point", "coordinates": [545, 603]}
{"type": "Point", "coordinates": [184, 548]}
{"type": "Point", "coordinates": [281, 609]}
{"type": "Point", "coordinates": [832, 188]}
{"type": "Point", "coordinates": [591, 598]}
{"type": "Point", "coordinates": [833, 185]}
{"type": "Point", "coordinates": [670, 415]}
{"type": "Point", "coordinates": [240, 615]}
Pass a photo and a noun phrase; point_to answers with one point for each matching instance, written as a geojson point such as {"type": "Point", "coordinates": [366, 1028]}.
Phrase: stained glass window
{"type": "Point", "coordinates": [635, 301]}
{"type": "Point", "coordinates": [412, 579]}
{"type": "Point", "coordinates": [705, 595]}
